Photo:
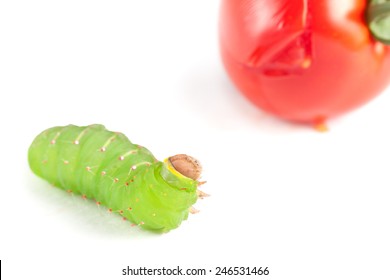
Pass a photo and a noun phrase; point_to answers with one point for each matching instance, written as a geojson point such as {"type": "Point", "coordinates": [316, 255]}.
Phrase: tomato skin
{"type": "Point", "coordinates": [304, 61]}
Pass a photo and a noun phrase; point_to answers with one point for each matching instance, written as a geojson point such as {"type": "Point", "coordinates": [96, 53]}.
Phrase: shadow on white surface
{"type": "Point", "coordinates": [210, 95]}
{"type": "Point", "coordinates": [68, 212]}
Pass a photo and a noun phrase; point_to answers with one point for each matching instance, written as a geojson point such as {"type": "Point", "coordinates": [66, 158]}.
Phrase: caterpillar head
{"type": "Point", "coordinates": [183, 171]}
{"type": "Point", "coordinates": [186, 165]}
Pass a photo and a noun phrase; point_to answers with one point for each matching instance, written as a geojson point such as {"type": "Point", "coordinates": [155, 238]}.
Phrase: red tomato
{"type": "Point", "coordinates": [303, 60]}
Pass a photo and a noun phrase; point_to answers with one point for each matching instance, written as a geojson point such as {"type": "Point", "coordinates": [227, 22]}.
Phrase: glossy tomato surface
{"type": "Point", "coordinates": [302, 60]}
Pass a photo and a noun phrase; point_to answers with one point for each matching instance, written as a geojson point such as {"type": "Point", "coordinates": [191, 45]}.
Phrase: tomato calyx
{"type": "Point", "coordinates": [378, 19]}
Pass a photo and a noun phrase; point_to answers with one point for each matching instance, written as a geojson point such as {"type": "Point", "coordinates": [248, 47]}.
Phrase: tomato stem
{"type": "Point", "coordinates": [378, 19]}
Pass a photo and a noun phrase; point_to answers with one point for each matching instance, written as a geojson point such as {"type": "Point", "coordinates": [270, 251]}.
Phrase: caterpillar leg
{"type": "Point", "coordinates": [201, 194]}
{"type": "Point", "coordinates": [194, 210]}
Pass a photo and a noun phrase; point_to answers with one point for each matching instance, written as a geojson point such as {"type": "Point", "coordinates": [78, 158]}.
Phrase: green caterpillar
{"type": "Point", "coordinates": [126, 178]}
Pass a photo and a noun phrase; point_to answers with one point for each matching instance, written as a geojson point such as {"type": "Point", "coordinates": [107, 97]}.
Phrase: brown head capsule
{"type": "Point", "coordinates": [186, 165]}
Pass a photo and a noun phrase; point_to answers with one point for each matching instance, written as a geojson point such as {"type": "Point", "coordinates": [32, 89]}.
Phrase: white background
{"type": "Point", "coordinates": [308, 205]}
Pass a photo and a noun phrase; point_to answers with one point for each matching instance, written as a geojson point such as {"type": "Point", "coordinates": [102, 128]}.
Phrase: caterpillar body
{"type": "Point", "coordinates": [126, 178]}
